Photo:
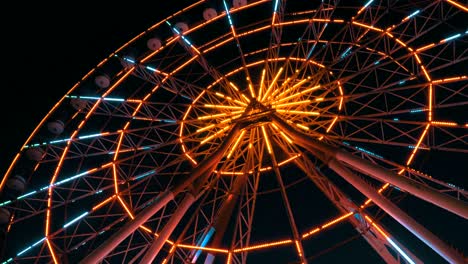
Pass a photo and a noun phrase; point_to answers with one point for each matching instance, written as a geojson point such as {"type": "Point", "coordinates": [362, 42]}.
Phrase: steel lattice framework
{"type": "Point", "coordinates": [223, 132]}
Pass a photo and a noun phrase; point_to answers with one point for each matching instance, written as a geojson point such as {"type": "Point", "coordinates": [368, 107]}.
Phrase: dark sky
{"type": "Point", "coordinates": [47, 49]}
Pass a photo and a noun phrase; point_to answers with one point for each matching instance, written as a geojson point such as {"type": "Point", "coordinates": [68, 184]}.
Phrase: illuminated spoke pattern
{"type": "Point", "coordinates": [255, 132]}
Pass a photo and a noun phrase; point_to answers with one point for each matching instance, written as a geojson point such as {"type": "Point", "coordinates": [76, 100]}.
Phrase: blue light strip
{"type": "Point", "coordinates": [180, 34]}
{"type": "Point", "coordinates": [5, 203]}
{"type": "Point", "coordinates": [62, 140]}
{"type": "Point", "coordinates": [368, 3]}
{"type": "Point", "coordinates": [96, 98]}
{"type": "Point", "coordinates": [363, 150]}
{"type": "Point", "coordinates": [311, 50]}
{"type": "Point", "coordinates": [146, 174]}
{"type": "Point", "coordinates": [407, 258]}
{"type": "Point", "coordinates": [228, 14]}
{"type": "Point", "coordinates": [90, 136]}
{"type": "Point", "coordinates": [69, 179]}
{"type": "Point", "coordinates": [26, 195]}
{"type": "Point", "coordinates": [345, 53]}
{"type": "Point", "coordinates": [368, 152]}
{"type": "Point", "coordinates": [75, 220]}
{"type": "Point", "coordinates": [452, 37]}
{"type": "Point", "coordinates": [151, 68]}
{"type": "Point", "coordinates": [129, 60]}
{"type": "Point", "coordinates": [8, 261]}
{"type": "Point", "coordinates": [203, 243]}
{"type": "Point", "coordinates": [275, 9]}
{"type": "Point", "coordinates": [47, 187]}
{"type": "Point", "coordinates": [413, 14]}
{"type": "Point", "coordinates": [30, 247]}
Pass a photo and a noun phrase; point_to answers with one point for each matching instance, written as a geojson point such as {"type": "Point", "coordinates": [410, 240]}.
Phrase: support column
{"type": "Point", "coordinates": [224, 216]}
{"type": "Point", "coordinates": [158, 243]}
{"type": "Point", "coordinates": [394, 211]}
{"type": "Point", "coordinates": [103, 250]}
{"type": "Point", "coordinates": [344, 204]}
{"type": "Point", "coordinates": [375, 171]}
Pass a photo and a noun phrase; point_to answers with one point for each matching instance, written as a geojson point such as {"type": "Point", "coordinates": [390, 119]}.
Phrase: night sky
{"type": "Point", "coordinates": [48, 48]}
{"type": "Point", "coordinates": [46, 52]}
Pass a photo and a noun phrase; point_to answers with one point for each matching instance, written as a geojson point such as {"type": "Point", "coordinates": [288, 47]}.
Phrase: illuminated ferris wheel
{"type": "Point", "coordinates": [252, 132]}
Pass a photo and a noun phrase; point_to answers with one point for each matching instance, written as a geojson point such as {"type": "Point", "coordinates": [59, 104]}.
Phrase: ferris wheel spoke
{"type": "Point", "coordinates": [311, 34]}
{"type": "Point", "coordinates": [199, 57]}
{"type": "Point", "coordinates": [186, 153]}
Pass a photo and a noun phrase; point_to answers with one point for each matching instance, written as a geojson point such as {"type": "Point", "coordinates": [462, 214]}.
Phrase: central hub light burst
{"type": "Point", "coordinates": [311, 102]}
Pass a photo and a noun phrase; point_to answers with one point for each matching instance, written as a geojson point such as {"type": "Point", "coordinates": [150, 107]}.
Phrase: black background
{"type": "Point", "coordinates": [47, 48]}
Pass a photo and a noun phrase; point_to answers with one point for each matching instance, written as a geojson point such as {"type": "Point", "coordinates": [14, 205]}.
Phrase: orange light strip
{"type": "Point", "coordinates": [288, 160]}
{"type": "Point", "coordinates": [265, 245]}
{"type": "Point", "coordinates": [306, 128]}
{"type": "Point", "coordinates": [337, 220]}
{"type": "Point", "coordinates": [462, 7]}
{"type": "Point", "coordinates": [282, 134]}
{"type": "Point", "coordinates": [51, 251]}
{"type": "Point", "coordinates": [332, 222]}
{"type": "Point", "coordinates": [219, 250]}
{"type": "Point", "coordinates": [147, 229]}
{"type": "Point", "coordinates": [228, 98]}
{"type": "Point", "coordinates": [218, 115]}
{"type": "Point", "coordinates": [234, 86]}
{"type": "Point", "coordinates": [379, 191]}
{"type": "Point", "coordinates": [425, 47]}
{"type": "Point", "coordinates": [125, 207]}
{"type": "Point", "coordinates": [292, 87]}
{"type": "Point", "coordinates": [260, 88]}
{"type": "Point", "coordinates": [367, 26]}
{"type": "Point", "coordinates": [101, 204]}
{"type": "Point", "coordinates": [266, 139]}
{"type": "Point", "coordinates": [430, 102]}
{"type": "Point", "coordinates": [273, 82]}
{"type": "Point", "coordinates": [399, 41]}
{"type": "Point", "coordinates": [205, 128]}
{"type": "Point", "coordinates": [191, 159]}
{"type": "Point", "coordinates": [236, 143]}
{"type": "Point", "coordinates": [2, 183]}
{"type": "Point", "coordinates": [229, 258]}
{"type": "Point", "coordinates": [290, 104]}
{"type": "Point", "coordinates": [223, 106]}
{"type": "Point", "coordinates": [299, 93]}
{"type": "Point", "coordinates": [227, 120]}
{"type": "Point", "coordinates": [341, 95]}
{"type": "Point", "coordinates": [251, 89]}
{"type": "Point", "coordinates": [52, 181]}
{"type": "Point", "coordinates": [417, 145]}
{"type": "Point", "coordinates": [425, 73]}
{"type": "Point", "coordinates": [451, 79]}
{"type": "Point", "coordinates": [219, 132]}
{"type": "Point", "coordinates": [312, 113]}
{"type": "Point", "coordinates": [229, 172]}
{"type": "Point", "coordinates": [298, 248]}
{"type": "Point", "coordinates": [332, 123]}
{"type": "Point", "coordinates": [376, 226]}
{"type": "Point", "coordinates": [443, 123]}
{"type": "Point", "coordinates": [294, 22]}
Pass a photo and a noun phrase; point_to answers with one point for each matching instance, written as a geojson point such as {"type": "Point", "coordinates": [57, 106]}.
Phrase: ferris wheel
{"type": "Point", "coordinates": [254, 132]}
